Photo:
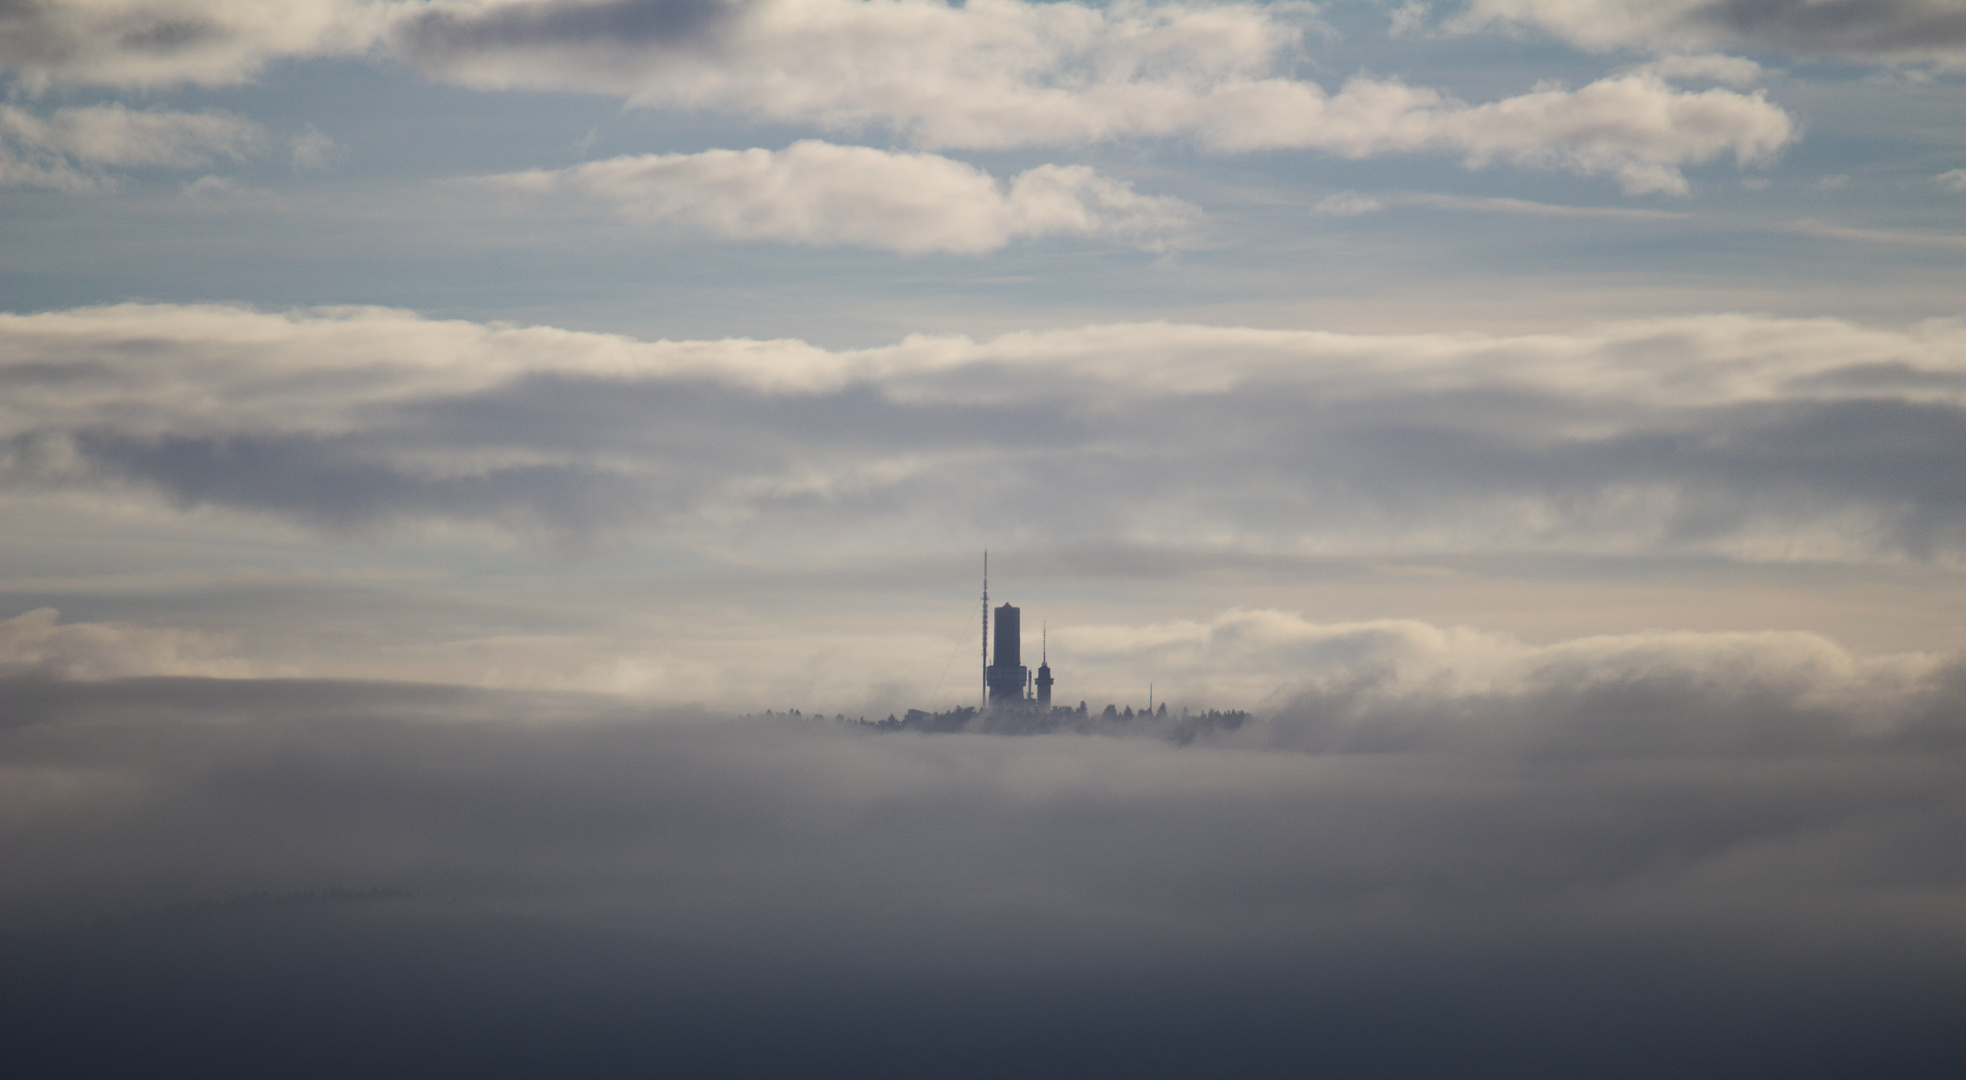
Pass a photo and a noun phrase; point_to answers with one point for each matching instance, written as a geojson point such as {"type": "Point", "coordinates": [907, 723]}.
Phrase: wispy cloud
{"type": "Point", "coordinates": [1529, 207]}
{"type": "Point", "coordinates": [1829, 230]}
{"type": "Point", "coordinates": [71, 148]}
{"type": "Point", "coordinates": [312, 148]}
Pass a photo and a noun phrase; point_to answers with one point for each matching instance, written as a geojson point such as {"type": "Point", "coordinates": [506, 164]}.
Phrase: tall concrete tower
{"type": "Point", "coordinates": [1006, 674]}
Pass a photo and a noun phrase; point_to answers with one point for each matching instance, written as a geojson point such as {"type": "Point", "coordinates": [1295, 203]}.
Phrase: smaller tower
{"type": "Point", "coordinates": [1044, 669]}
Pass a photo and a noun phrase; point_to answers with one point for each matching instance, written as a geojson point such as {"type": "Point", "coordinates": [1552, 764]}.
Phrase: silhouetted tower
{"type": "Point", "coordinates": [985, 702]}
{"type": "Point", "coordinates": [1044, 669]}
{"type": "Point", "coordinates": [1006, 674]}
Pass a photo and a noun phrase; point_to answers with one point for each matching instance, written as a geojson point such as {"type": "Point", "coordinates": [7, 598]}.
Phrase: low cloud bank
{"type": "Point", "coordinates": [1657, 814]}
{"type": "Point", "coordinates": [1747, 437]}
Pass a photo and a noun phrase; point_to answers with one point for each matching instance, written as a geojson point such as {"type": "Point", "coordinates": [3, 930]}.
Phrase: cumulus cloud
{"type": "Point", "coordinates": [1887, 31]}
{"type": "Point", "coordinates": [1758, 438]}
{"type": "Point", "coordinates": [821, 194]}
{"type": "Point", "coordinates": [71, 148]}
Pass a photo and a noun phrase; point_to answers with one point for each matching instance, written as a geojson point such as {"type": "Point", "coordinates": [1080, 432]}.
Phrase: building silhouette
{"type": "Point", "coordinates": [1007, 677]}
{"type": "Point", "coordinates": [1044, 673]}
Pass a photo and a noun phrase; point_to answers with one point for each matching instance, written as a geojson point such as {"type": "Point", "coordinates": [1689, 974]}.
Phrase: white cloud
{"type": "Point", "coordinates": [1634, 127]}
{"type": "Point", "coordinates": [1710, 67]}
{"type": "Point", "coordinates": [821, 194]}
{"type": "Point", "coordinates": [1951, 180]}
{"type": "Point", "coordinates": [1887, 31]}
{"type": "Point", "coordinates": [70, 148]}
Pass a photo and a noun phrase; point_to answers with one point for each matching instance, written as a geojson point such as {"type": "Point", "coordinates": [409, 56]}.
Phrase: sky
{"type": "Point", "coordinates": [442, 441]}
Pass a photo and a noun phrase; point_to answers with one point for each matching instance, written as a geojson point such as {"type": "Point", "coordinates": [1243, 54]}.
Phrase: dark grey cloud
{"type": "Point", "coordinates": [440, 35]}
{"type": "Point", "coordinates": [160, 43]}
{"type": "Point", "coordinates": [1260, 460]}
{"type": "Point", "coordinates": [1395, 877]}
{"type": "Point", "coordinates": [343, 484]}
{"type": "Point", "coordinates": [1869, 28]}
{"type": "Point", "coordinates": [1887, 31]}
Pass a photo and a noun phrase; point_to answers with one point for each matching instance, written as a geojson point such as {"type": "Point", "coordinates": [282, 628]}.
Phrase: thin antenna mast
{"type": "Point", "coordinates": [984, 704]}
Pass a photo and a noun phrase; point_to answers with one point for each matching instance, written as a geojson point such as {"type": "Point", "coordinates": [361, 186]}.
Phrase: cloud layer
{"type": "Point", "coordinates": [998, 73]}
{"type": "Point", "coordinates": [821, 194]}
{"type": "Point", "coordinates": [1422, 789]}
{"type": "Point", "coordinates": [1747, 437]}
{"type": "Point", "coordinates": [990, 74]}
